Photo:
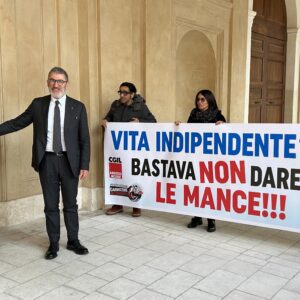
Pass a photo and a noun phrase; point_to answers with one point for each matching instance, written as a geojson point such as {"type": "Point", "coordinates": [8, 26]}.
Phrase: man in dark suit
{"type": "Point", "coordinates": [60, 153]}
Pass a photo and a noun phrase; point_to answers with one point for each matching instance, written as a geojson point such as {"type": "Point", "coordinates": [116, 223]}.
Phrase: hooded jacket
{"type": "Point", "coordinates": [120, 112]}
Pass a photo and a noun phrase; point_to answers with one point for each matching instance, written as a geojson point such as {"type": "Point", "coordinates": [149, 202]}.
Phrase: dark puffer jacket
{"type": "Point", "coordinates": [207, 116]}
{"type": "Point", "coordinates": [120, 112]}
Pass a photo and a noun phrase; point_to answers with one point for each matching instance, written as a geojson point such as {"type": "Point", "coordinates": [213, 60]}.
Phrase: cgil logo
{"type": "Point", "coordinates": [115, 167]}
{"type": "Point", "coordinates": [114, 159]}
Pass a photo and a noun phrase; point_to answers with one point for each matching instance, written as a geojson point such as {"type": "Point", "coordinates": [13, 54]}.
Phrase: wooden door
{"type": "Point", "coordinates": [268, 51]}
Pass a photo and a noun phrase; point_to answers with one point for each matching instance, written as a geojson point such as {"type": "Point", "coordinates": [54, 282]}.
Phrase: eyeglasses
{"type": "Point", "coordinates": [124, 93]}
{"type": "Point", "coordinates": [59, 81]}
{"type": "Point", "coordinates": [201, 99]}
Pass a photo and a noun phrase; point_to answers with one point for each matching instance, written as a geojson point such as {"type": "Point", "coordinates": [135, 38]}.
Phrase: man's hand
{"type": "Point", "coordinates": [135, 120]}
{"type": "Point", "coordinates": [104, 123]}
{"type": "Point", "coordinates": [219, 122]}
{"type": "Point", "coordinates": [83, 174]}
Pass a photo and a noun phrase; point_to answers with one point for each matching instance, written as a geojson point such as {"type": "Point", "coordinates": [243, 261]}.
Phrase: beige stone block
{"type": "Point", "coordinates": [21, 210]}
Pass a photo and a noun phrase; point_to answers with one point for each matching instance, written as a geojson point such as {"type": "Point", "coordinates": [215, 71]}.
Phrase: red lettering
{"type": "Point", "coordinates": [207, 199]}
{"type": "Point", "coordinates": [189, 197]}
{"type": "Point", "coordinates": [235, 202]}
{"type": "Point", "coordinates": [206, 174]}
{"type": "Point", "coordinates": [222, 172]}
{"type": "Point", "coordinates": [239, 172]}
{"type": "Point", "coordinates": [158, 192]}
{"type": "Point", "coordinates": [253, 204]}
{"type": "Point", "coordinates": [223, 200]}
{"type": "Point", "coordinates": [170, 192]}
{"type": "Point", "coordinates": [221, 169]}
{"type": "Point", "coordinates": [170, 187]}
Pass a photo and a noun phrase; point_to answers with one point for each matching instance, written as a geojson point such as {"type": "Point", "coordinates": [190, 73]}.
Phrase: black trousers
{"type": "Point", "coordinates": [55, 174]}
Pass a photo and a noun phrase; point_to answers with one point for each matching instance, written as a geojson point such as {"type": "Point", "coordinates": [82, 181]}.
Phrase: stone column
{"type": "Point", "coordinates": [292, 76]}
{"type": "Point", "coordinates": [160, 55]}
{"type": "Point", "coordinates": [242, 20]}
{"type": "Point", "coordinates": [251, 15]}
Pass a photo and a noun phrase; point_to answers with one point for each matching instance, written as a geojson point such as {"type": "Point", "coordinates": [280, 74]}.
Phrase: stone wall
{"type": "Point", "coordinates": [169, 48]}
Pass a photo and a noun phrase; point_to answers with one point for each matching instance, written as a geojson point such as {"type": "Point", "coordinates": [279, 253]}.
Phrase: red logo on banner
{"type": "Point", "coordinates": [115, 168]}
{"type": "Point", "coordinates": [134, 192]}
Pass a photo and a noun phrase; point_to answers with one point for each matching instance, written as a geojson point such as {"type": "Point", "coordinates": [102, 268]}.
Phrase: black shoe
{"type": "Point", "coordinates": [52, 251]}
{"type": "Point", "coordinates": [77, 247]}
{"type": "Point", "coordinates": [195, 222]}
{"type": "Point", "coordinates": [211, 225]}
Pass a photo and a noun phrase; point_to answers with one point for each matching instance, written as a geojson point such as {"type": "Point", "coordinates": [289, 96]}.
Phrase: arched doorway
{"type": "Point", "coordinates": [195, 69]}
{"type": "Point", "coordinates": [268, 52]}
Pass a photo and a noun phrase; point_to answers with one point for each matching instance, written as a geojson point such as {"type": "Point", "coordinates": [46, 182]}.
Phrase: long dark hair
{"type": "Point", "coordinates": [209, 96]}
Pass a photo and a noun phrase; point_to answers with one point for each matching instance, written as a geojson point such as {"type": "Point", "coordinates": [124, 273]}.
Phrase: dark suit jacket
{"type": "Point", "coordinates": [76, 132]}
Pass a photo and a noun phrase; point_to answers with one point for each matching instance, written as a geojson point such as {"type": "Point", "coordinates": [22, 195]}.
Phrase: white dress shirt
{"type": "Point", "coordinates": [62, 106]}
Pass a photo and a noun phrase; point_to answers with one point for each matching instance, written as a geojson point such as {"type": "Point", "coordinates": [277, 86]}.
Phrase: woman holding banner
{"type": "Point", "coordinates": [206, 111]}
{"type": "Point", "coordinates": [130, 107]}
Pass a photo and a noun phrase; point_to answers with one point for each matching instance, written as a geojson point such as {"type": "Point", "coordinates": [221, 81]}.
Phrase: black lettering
{"type": "Point", "coordinates": [269, 178]}
{"type": "Point", "coordinates": [155, 173]}
{"type": "Point", "coordinates": [256, 175]}
{"type": "Point", "coordinates": [180, 168]}
{"type": "Point", "coordinates": [282, 178]}
{"type": "Point", "coordinates": [172, 171]}
{"type": "Point", "coordinates": [146, 168]}
{"type": "Point", "coordinates": [164, 162]}
{"type": "Point", "coordinates": [190, 171]}
{"type": "Point", "coordinates": [294, 179]}
{"type": "Point", "coordinates": [135, 166]}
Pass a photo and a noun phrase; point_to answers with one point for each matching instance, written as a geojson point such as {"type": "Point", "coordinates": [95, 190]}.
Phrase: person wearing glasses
{"type": "Point", "coordinates": [206, 111]}
{"type": "Point", "coordinates": [60, 154]}
{"type": "Point", "coordinates": [130, 107]}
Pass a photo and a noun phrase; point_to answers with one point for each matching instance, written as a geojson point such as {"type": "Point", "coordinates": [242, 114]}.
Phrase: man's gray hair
{"type": "Point", "coordinates": [59, 70]}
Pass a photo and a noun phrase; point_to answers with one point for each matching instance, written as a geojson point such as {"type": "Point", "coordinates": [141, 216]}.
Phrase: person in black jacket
{"type": "Point", "coordinates": [206, 111]}
{"type": "Point", "coordinates": [130, 107]}
{"type": "Point", "coordinates": [60, 154]}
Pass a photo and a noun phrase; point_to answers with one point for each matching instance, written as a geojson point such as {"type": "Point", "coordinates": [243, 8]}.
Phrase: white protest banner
{"type": "Point", "coordinates": [245, 173]}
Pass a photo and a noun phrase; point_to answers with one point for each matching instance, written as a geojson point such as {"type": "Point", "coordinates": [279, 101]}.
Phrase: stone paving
{"type": "Point", "coordinates": [151, 257]}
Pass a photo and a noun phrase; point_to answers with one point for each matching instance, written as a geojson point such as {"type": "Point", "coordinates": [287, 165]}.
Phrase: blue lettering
{"type": "Point", "coordinates": [143, 143]}
{"type": "Point", "coordinates": [157, 141]}
{"type": "Point", "coordinates": [125, 146]}
{"type": "Point", "coordinates": [187, 142]}
{"type": "Point", "coordinates": [276, 138]}
{"type": "Point", "coordinates": [133, 134]}
{"type": "Point", "coordinates": [234, 144]}
{"type": "Point", "coordinates": [116, 140]}
{"type": "Point", "coordinates": [196, 141]}
{"type": "Point", "coordinates": [247, 143]}
{"type": "Point", "coordinates": [261, 145]}
{"type": "Point", "coordinates": [288, 145]}
{"type": "Point", "coordinates": [167, 141]}
{"type": "Point", "coordinates": [207, 142]}
{"type": "Point", "coordinates": [129, 139]}
{"type": "Point", "coordinates": [178, 142]}
{"type": "Point", "coordinates": [220, 143]}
